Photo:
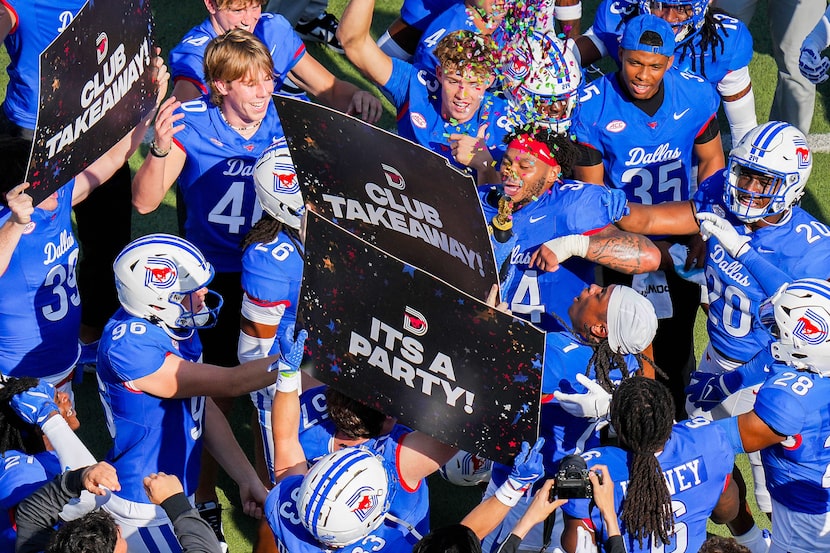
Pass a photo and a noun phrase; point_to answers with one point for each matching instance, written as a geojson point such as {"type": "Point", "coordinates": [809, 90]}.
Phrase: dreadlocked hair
{"type": "Point", "coordinates": [641, 413]}
{"type": "Point", "coordinates": [15, 433]}
{"type": "Point", "coordinates": [560, 145]}
{"type": "Point", "coordinates": [710, 39]}
{"type": "Point", "coordinates": [604, 360]}
{"type": "Point", "coordinates": [265, 230]}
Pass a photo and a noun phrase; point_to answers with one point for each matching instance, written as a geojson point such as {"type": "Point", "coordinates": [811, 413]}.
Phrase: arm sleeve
{"type": "Point", "coordinates": [193, 532]}
{"type": "Point", "coordinates": [510, 545]}
{"type": "Point", "coordinates": [38, 513]}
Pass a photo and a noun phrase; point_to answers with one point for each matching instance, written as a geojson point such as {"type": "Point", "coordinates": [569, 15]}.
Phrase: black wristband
{"type": "Point", "coordinates": [157, 152]}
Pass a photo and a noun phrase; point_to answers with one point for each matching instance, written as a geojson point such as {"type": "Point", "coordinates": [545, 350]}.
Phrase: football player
{"type": "Point", "coordinates": [669, 478]}
{"type": "Point", "coordinates": [643, 130]}
{"type": "Point", "coordinates": [758, 195]}
{"type": "Point", "coordinates": [540, 78]}
{"type": "Point", "coordinates": [153, 385]}
{"type": "Point", "coordinates": [451, 114]}
{"type": "Point", "coordinates": [39, 299]}
{"type": "Point", "coordinates": [27, 28]}
{"type": "Point", "coordinates": [708, 43]}
{"type": "Point", "coordinates": [610, 329]}
{"type": "Point", "coordinates": [537, 206]}
{"type": "Point", "coordinates": [789, 422]}
{"type": "Point", "coordinates": [287, 50]}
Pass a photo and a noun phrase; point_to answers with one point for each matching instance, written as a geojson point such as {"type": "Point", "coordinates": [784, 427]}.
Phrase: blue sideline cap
{"type": "Point", "coordinates": [638, 25]}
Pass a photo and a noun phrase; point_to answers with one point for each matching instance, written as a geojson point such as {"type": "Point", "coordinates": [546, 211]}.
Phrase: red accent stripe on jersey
{"type": "Point", "coordinates": [300, 52]}
{"type": "Point", "coordinates": [179, 144]}
{"type": "Point", "coordinates": [131, 388]}
{"type": "Point", "coordinates": [705, 126]}
{"type": "Point", "coordinates": [263, 303]}
{"type": "Point", "coordinates": [728, 480]}
{"type": "Point", "coordinates": [403, 111]}
{"type": "Point", "coordinates": [595, 231]}
{"type": "Point", "coordinates": [547, 398]}
{"type": "Point", "coordinates": [13, 13]}
{"type": "Point", "coordinates": [201, 86]}
{"type": "Point", "coordinates": [403, 483]}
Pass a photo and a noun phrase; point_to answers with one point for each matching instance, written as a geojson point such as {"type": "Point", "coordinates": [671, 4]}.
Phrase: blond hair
{"type": "Point", "coordinates": [467, 51]}
{"type": "Point", "coordinates": [237, 4]}
{"type": "Point", "coordinates": [233, 56]}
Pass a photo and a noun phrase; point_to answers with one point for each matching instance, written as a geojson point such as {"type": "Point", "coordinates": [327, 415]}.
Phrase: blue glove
{"type": "Point", "coordinates": [528, 466]}
{"type": "Point", "coordinates": [711, 389]}
{"type": "Point", "coordinates": [35, 404]}
{"type": "Point", "coordinates": [291, 350]}
{"type": "Point", "coordinates": [708, 390]}
{"type": "Point", "coordinates": [616, 204]}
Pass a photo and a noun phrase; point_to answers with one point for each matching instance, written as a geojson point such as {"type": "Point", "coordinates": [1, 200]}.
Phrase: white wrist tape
{"type": "Point", "coordinates": [567, 13]}
{"type": "Point", "coordinates": [71, 451]}
{"type": "Point", "coordinates": [287, 381]}
{"type": "Point", "coordinates": [568, 246]}
{"type": "Point", "coordinates": [509, 495]}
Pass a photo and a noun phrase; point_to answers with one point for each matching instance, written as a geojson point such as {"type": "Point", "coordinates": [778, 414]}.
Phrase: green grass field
{"type": "Point", "coordinates": [174, 18]}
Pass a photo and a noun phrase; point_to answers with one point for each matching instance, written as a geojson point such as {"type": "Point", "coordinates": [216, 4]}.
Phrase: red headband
{"type": "Point", "coordinates": [528, 144]}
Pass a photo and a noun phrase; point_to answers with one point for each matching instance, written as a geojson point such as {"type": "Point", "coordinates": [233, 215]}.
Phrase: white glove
{"type": "Point", "coordinates": [593, 404]}
{"type": "Point", "coordinates": [713, 225]}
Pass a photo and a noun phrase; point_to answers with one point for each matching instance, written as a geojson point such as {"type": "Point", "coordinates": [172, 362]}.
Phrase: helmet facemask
{"type": "Point", "coordinates": [690, 16]}
{"type": "Point", "coordinates": [743, 197]}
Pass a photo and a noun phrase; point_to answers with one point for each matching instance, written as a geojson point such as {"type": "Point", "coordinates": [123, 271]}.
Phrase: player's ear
{"type": "Point", "coordinates": [600, 330]}
{"type": "Point", "coordinates": [669, 63]}
{"type": "Point", "coordinates": [221, 87]}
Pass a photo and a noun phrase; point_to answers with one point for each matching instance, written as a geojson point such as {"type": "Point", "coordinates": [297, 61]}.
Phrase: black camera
{"type": "Point", "coordinates": [572, 480]}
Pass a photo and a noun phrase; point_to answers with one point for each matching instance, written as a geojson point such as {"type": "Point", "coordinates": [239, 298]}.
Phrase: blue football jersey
{"type": "Point", "coordinates": [271, 275]}
{"type": "Point", "coordinates": [569, 207]}
{"type": "Point", "coordinates": [799, 245]}
{"type": "Point", "coordinates": [414, 92]}
{"type": "Point", "coordinates": [650, 157]}
{"type": "Point", "coordinates": [697, 464]}
{"type": "Point", "coordinates": [150, 434]}
{"type": "Point", "coordinates": [794, 404]}
{"type": "Point", "coordinates": [420, 13]}
{"type": "Point", "coordinates": [457, 17]}
{"type": "Point", "coordinates": [217, 180]}
{"type": "Point", "coordinates": [42, 21]}
{"type": "Point", "coordinates": [40, 307]}
{"type": "Point", "coordinates": [565, 357]}
{"type": "Point", "coordinates": [188, 56]}
{"type": "Point", "coordinates": [292, 536]}
{"type": "Point", "coordinates": [20, 476]}
{"type": "Point", "coordinates": [317, 438]}
{"type": "Point", "coordinates": [734, 53]}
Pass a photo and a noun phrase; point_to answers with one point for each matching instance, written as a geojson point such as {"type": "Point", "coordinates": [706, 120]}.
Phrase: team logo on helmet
{"type": "Point", "coordinates": [159, 272]}
{"type": "Point", "coordinates": [811, 328]}
{"type": "Point", "coordinates": [803, 155]}
{"type": "Point", "coordinates": [285, 182]}
{"type": "Point", "coordinates": [519, 66]}
{"type": "Point", "coordinates": [363, 502]}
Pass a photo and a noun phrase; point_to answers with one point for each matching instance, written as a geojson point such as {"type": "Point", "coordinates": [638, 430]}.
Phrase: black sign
{"type": "Point", "coordinates": [391, 192]}
{"type": "Point", "coordinates": [94, 88]}
{"type": "Point", "coordinates": [408, 344]}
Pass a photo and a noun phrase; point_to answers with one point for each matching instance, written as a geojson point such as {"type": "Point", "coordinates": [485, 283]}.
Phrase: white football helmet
{"type": "Point", "coordinates": [777, 150]}
{"type": "Point", "coordinates": [466, 469]}
{"type": "Point", "coordinates": [154, 277]}
{"type": "Point", "coordinates": [277, 187]}
{"type": "Point", "coordinates": [345, 496]}
{"type": "Point", "coordinates": [540, 78]}
{"type": "Point", "coordinates": [687, 28]}
{"type": "Point", "coordinates": [798, 318]}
